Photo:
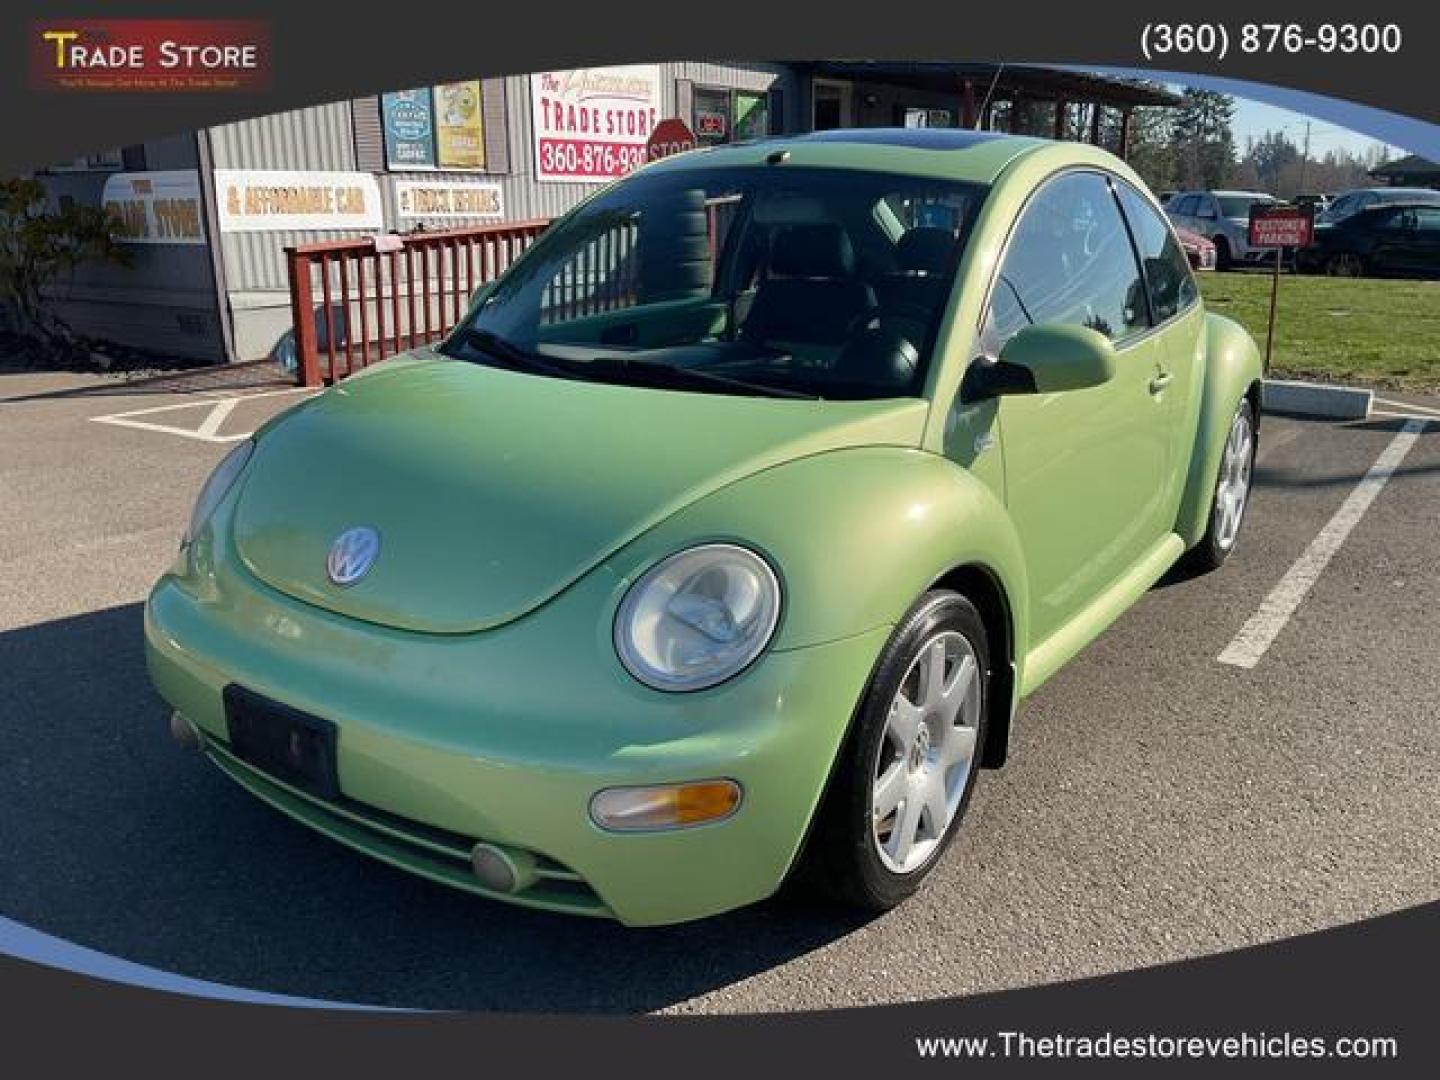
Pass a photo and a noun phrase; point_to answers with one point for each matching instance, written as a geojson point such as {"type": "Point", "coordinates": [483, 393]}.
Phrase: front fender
{"type": "Point", "coordinates": [856, 536]}
{"type": "Point", "coordinates": [1232, 370]}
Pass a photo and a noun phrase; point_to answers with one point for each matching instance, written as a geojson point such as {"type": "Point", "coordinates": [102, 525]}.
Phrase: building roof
{"type": "Point", "coordinates": [1407, 166]}
{"type": "Point", "coordinates": [1037, 83]}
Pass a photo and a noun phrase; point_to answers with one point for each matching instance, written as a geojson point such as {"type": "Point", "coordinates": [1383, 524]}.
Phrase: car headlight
{"type": "Point", "coordinates": [698, 617]}
{"type": "Point", "coordinates": [219, 482]}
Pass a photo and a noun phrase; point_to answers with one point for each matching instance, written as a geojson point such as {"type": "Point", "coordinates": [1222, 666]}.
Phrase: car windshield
{"type": "Point", "coordinates": [766, 280]}
{"type": "Point", "coordinates": [1238, 206]}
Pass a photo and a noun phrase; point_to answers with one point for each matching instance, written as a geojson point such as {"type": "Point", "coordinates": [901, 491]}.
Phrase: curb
{"type": "Point", "coordinates": [1315, 399]}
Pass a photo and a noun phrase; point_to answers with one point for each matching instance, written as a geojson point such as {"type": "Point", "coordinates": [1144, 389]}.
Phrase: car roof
{"type": "Point", "coordinates": [1404, 192]}
{"type": "Point", "coordinates": [952, 153]}
{"type": "Point", "coordinates": [1399, 204]}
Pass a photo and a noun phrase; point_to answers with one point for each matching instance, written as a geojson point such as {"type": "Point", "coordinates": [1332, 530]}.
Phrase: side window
{"type": "Point", "coordinates": [1184, 207]}
{"type": "Point", "coordinates": [1428, 218]}
{"type": "Point", "coordinates": [1068, 261]}
{"type": "Point", "coordinates": [1167, 270]}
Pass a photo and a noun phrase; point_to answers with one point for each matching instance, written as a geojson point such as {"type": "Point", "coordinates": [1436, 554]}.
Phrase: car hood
{"type": "Point", "coordinates": [493, 490]}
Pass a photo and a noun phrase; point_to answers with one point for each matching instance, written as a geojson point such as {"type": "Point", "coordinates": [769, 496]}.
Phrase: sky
{"type": "Point", "coordinates": [1254, 119]}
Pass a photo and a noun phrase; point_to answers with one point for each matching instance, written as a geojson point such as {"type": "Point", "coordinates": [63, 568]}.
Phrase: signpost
{"type": "Point", "coordinates": [671, 136]}
{"type": "Point", "coordinates": [1279, 227]}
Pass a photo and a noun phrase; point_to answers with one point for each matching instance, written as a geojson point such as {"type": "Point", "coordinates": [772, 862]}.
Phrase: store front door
{"type": "Point", "coordinates": [832, 107]}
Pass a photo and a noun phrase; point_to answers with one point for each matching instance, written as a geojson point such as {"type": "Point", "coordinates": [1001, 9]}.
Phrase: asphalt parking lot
{"type": "Point", "coordinates": [1159, 803]}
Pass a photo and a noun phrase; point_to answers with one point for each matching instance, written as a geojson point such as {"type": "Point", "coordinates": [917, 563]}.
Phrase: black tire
{"type": "Point", "coordinates": [1348, 265]}
{"type": "Point", "coordinates": [842, 861]}
{"type": "Point", "coordinates": [1212, 552]}
{"type": "Point", "coordinates": [1223, 259]}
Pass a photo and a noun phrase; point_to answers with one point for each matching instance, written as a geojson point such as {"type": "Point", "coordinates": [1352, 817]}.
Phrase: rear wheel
{"type": "Point", "coordinates": [1223, 259]}
{"type": "Point", "coordinates": [909, 765]}
{"type": "Point", "coordinates": [1345, 265]}
{"type": "Point", "coordinates": [1232, 492]}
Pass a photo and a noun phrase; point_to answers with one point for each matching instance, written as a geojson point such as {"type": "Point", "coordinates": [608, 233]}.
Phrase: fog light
{"type": "Point", "coordinates": [184, 731]}
{"type": "Point", "coordinates": [507, 870]}
{"type": "Point", "coordinates": [668, 806]}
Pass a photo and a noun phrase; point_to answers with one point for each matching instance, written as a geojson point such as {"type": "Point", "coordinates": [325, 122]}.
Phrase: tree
{"type": "Point", "coordinates": [39, 243]}
{"type": "Point", "coordinates": [1202, 138]}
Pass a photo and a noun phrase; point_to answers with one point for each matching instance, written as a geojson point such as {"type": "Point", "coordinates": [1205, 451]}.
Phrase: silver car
{"type": "Point", "coordinates": [1223, 217]}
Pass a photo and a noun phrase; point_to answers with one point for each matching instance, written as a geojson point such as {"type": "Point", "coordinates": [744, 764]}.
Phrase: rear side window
{"type": "Point", "coordinates": [1184, 207]}
{"type": "Point", "coordinates": [1167, 270]}
{"type": "Point", "coordinates": [1069, 261]}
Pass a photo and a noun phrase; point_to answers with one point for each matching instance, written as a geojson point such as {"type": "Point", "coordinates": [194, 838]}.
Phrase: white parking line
{"type": "Point", "coordinates": [1260, 631]}
{"type": "Point", "coordinates": [1408, 405]}
{"type": "Point", "coordinates": [209, 428]}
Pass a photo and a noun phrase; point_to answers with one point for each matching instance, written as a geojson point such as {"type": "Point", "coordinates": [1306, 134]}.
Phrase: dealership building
{"type": "Point", "coordinates": [207, 217]}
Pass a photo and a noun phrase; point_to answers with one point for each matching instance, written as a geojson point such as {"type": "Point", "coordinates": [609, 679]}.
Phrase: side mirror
{"type": "Point", "coordinates": [1047, 359]}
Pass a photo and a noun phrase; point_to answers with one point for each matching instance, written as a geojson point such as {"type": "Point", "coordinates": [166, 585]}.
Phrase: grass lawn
{"type": "Point", "coordinates": [1383, 333]}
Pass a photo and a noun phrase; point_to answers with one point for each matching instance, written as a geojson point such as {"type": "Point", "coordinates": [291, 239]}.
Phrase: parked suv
{"type": "Point", "coordinates": [1223, 217]}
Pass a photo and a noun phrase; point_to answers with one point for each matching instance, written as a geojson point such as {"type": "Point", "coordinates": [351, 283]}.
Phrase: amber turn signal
{"type": "Point", "coordinates": [667, 806]}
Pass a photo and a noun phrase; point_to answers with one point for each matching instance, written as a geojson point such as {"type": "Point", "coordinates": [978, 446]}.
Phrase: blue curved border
{"type": "Point", "coordinates": [1414, 136]}
{"type": "Point", "coordinates": [23, 943]}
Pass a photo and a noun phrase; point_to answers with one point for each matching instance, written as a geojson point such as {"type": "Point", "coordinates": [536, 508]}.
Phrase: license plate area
{"type": "Point", "coordinates": [290, 745]}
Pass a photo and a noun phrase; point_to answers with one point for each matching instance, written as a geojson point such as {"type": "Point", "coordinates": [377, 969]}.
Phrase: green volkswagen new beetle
{"type": "Point", "coordinates": [721, 539]}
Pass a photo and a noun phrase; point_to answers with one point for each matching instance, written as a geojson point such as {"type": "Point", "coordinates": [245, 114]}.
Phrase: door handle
{"type": "Point", "coordinates": [1159, 381]}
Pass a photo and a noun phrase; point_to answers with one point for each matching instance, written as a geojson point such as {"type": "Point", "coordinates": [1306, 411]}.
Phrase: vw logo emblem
{"type": "Point", "coordinates": [352, 555]}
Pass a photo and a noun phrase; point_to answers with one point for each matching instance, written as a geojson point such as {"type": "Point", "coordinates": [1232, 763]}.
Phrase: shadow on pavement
{"type": "Point", "coordinates": [241, 378]}
{"type": "Point", "coordinates": [118, 839]}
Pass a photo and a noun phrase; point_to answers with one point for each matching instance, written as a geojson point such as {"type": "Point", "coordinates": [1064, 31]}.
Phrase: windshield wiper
{"type": "Point", "coordinates": [509, 353]}
{"type": "Point", "coordinates": [695, 376]}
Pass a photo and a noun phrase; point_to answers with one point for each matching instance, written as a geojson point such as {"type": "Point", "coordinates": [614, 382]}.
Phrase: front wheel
{"type": "Point", "coordinates": [909, 765]}
{"type": "Point", "coordinates": [1345, 265]}
{"type": "Point", "coordinates": [1232, 492]}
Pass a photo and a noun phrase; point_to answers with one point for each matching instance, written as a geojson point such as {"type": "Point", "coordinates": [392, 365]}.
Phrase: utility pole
{"type": "Point", "coordinates": [1304, 159]}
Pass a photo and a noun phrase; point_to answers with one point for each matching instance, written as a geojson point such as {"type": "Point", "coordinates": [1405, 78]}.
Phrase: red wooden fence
{"type": "Point", "coordinates": [356, 302]}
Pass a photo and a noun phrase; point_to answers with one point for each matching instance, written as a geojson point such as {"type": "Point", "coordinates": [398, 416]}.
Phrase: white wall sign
{"type": "Point", "coordinates": [591, 124]}
{"type": "Point", "coordinates": [417, 200]}
{"type": "Point", "coordinates": [155, 207]}
{"type": "Point", "coordinates": [267, 200]}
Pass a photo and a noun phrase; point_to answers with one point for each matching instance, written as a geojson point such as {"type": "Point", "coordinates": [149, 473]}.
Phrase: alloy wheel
{"type": "Point", "coordinates": [924, 760]}
{"type": "Point", "coordinates": [1233, 490]}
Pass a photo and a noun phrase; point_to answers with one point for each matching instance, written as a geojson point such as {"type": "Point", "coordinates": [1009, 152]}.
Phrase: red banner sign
{"type": "Point", "coordinates": [150, 54]}
{"type": "Point", "coordinates": [1281, 226]}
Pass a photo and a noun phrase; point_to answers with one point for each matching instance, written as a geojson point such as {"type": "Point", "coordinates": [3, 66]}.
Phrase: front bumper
{"type": "Point", "coordinates": [504, 737]}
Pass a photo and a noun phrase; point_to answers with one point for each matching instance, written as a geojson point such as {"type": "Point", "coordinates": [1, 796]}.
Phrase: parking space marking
{"type": "Point", "coordinates": [1408, 406]}
{"type": "Point", "coordinates": [209, 428]}
{"type": "Point", "coordinates": [1262, 628]}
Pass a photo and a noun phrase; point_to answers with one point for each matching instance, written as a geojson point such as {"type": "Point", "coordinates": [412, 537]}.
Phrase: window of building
{"type": "Point", "coordinates": [1069, 261]}
{"type": "Point", "coordinates": [752, 115]}
{"type": "Point", "coordinates": [710, 115]}
{"type": "Point", "coordinates": [1167, 270]}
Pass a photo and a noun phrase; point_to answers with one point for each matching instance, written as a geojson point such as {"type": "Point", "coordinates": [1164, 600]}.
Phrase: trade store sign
{"type": "Point", "coordinates": [423, 200]}
{"type": "Point", "coordinates": [1281, 226]}
{"type": "Point", "coordinates": [592, 124]}
{"type": "Point", "coordinates": [270, 200]}
{"type": "Point", "coordinates": [155, 207]}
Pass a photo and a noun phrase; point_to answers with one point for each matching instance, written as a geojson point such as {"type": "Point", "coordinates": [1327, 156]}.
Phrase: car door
{"type": "Point", "coordinates": [1390, 231]}
{"type": "Point", "coordinates": [1179, 326]}
{"type": "Point", "coordinates": [1084, 470]}
{"type": "Point", "coordinates": [1427, 240]}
